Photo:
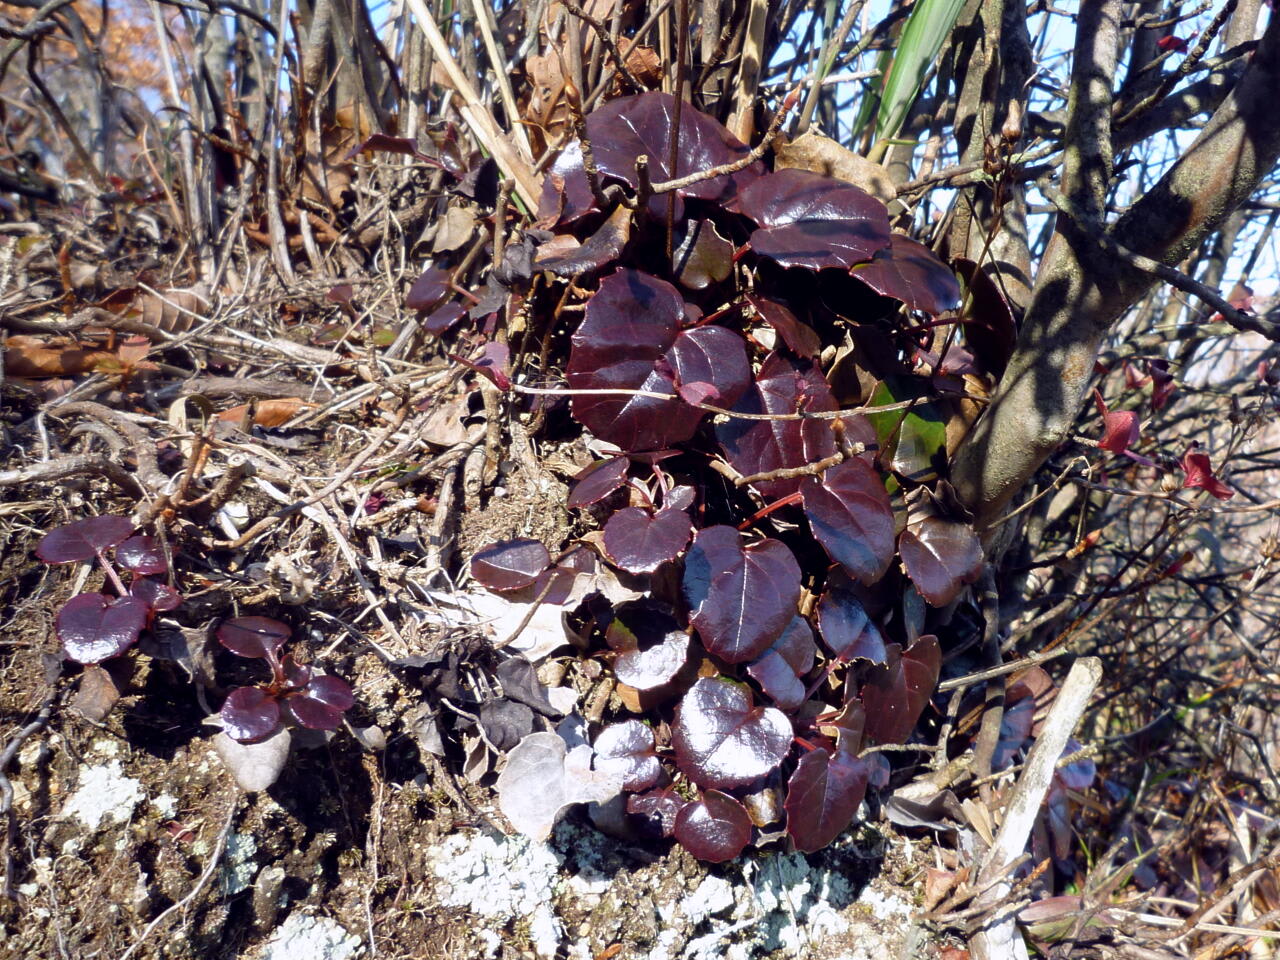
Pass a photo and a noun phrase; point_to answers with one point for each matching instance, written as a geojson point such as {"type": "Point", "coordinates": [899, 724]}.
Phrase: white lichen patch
{"type": "Point", "coordinates": [238, 866]}
{"type": "Point", "coordinates": [303, 937]}
{"type": "Point", "coordinates": [104, 796]}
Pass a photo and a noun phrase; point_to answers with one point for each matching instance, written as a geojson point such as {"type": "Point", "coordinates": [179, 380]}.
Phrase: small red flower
{"type": "Point", "coordinates": [1200, 474]}
{"type": "Point", "coordinates": [1172, 43]}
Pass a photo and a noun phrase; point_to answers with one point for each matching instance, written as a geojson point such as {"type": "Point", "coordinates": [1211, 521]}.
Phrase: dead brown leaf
{"type": "Point", "coordinates": [39, 357]}
{"type": "Point", "coordinates": [819, 154]}
{"type": "Point", "coordinates": [267, 413]}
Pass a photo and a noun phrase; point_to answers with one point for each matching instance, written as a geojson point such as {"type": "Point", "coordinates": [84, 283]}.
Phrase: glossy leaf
{"type": "Point", "coordinates": [808, 220]}
{"type": "Point", "coordinates": [639, 541]}
{"type": "Point", "coordinates": [940, 556]}
{"type": "Point", "coordinates": [800, 338]}
{"type": "Point", "coordinates": [596, 481]}
{"type": "Point", "coordinates": [701, 256]}
{"type": "Point", "coordinates": [722, 740]}
{"type": "Point", "coordinates": [846, 628]}
{"type": "Point", "coordinates": [321, 703]}
{"type": "Point", "coordinates": [741, 598]}
{"type": "Point", "coordinates": [83, 539]}
{"type": "Point", "coordinates": [850, 515]}
{"type": "Point", "coordinates": [628, 340]}
{"type": "Point", "coordinates": [510, 565]}
{"type": "Point", "coordinates": [249, 713]}
{"type": "Point", "coordinates": [911, 272]}
{"type": "Point", "coordinates": [715, 828]}
{"type": "Point", "coordinates": [156, 594]}
{"type": "Point", "coordinates": [822, 797]}
{"type": "Point", "coordinates": [627, 750]}
{"type": "Point", "coordinates": [629, 127]}
{"type": "Point", "coordinates": [915, 438]}
{"type": "Point", "coordinates": [442, 319]}
{"type": "Point", "coordinates": [783, 386]}
{"type": "Point", "coordinates": [651, 646]}
{"type": "Point", "coordinates": [254, 637]}
{"type": "Point", "coordinates": [94, 627]}
{"type": "Point", "coordinates": [896, 693]}
{"type": "Point", "coordinates": [780, 668]}
{"type": "Point", "coordinates": [428, 290]}
{"type": "Point", "coordinates": [142, 554]}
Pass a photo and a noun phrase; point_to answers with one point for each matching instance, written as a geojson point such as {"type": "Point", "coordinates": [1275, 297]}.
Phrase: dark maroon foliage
{"type": "Point", "coordinates": [724, 349]}
{"type": "Point", "coordinates": [940, 556]}
{"type": "Point", "coordinates": [741, 597]}
{"type": "Point", "coordinates": [143, 555]}
{"type": "Point", "coordinates": [1199, 471]}
{"type": "Point", "coordinates": [722, 740]}
{"type": "Point", "coordinates": [782, 386]}
{"type": "Point", "coordinates": [510, 565]}
{"type": "Point", "coordinates": [822, 796]}
{"type": "Point", "coordinates": [909, 271]}
{"type": "Point", "coordinates": [597, 481]}
{"type": "Point", "coordinates": [295, 691]}
{"type": "Point", "coordinates": [640, 541]}
{"type": "Point", "coordinates": [651, 646]}
{"type": "Point", "coordinates": [850, 514]}
{"type": "Point", "coordinates": [250, 713]}
{"type": "Point", "coordinates": [630, 339]}
{"type": "Point", "coordinates": [156, 594]}
{"type": "Point", "coordinates": [428, 290]}
{"type": "Point", "coordinates": [714, 828]}
{"type": "Point", "coordinates": [83, 539]}
{"type": "Point", "coordinates": [254, 637]}
{"type": "Point", "coordinates": [846, 628]}
{"type": "Point", "coordinates": [896, 693]}
{"type": "Point", "coordinates": [94, 627]}
{"type": "Point", "coordinates": [808, 220]}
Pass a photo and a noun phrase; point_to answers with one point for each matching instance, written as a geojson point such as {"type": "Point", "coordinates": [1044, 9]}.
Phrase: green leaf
{"type": "Point", "coordinates": [914, 440]}
{"type": "Point", "coordinates": [927, 29]}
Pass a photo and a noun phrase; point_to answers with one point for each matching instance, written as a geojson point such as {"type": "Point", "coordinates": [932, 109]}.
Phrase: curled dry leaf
{"type": "Point", "coordinates": [255, 766]}
{"type": "Point", "coordinates": [543, 778]}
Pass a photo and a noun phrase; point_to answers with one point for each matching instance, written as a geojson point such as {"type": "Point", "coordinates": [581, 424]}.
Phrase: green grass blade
{"type": "Point", "coordinates": [927, 29]}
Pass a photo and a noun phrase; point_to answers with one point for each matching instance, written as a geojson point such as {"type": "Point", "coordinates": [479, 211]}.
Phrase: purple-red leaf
{"type": "Point", "coordinates": [651, 646]}
{"type": "Point", "coordinates": [715, 828]}
{"type": "Point", "coordinates": [799, 338]}
{"type": "Point", "coordinates": [596, 481]}
{"type": "Point", "coordinates": [428, 290]}
{"type": "Point", "coordinates": [911, 272]}
{"type": "Point", "coordinates": [1200, 474]}
{"type": "Point", "coordinates": [640, 542]}
{"type": "Point", "coordinates": [722, 740]}
{"type": "Point", "coordinates": [779, 669]}
{"type": "Point", "coordinates": [143, 555]}
{"type": "Point", "coordinates": [783, 386]}
{"type": "Point", "coordinates": [321, 703]}
{"type": "Point", "coordinates": [249, 714]}
{"type": "Point", "coordinates": [630, 339]}
{"type": "Point", "coordinates": [741, 598]}
{"type": "Point", "coordinates": [491, 362]}
{"type": "Point", "coordinates": [510, 565]}
{"type": "Point", "coordinates": [940, 556]}
{"type": "Point", "coordinates": [628, 127]}
{"type": "Point", "coordinates": [659, 808]}
{"type": "Point", "coordinates": [822, 797]}
{"type": "Point", "coordinates": [808, 220]}
{"type": "Point", "coordinates": [599, 250]}
{"type": "Point", "coordinates": [83, 539]}
{"type": "Point", "coordinates": [850, 515]}
{"type": "Point", "coordinates": [843, 622]}
{"type": "Point", "coordinates": [156, 594]}
{"type": "Point", "coordinates": [896, 693]}
{"type": "Point", "coordinates": [443, 318]}
{"type": "Point", "coordinates": [254, 637]}
{"type": "Point", "coordinates": [627, 750]}
{"type": "Point", "coordinates": [94, 627]}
